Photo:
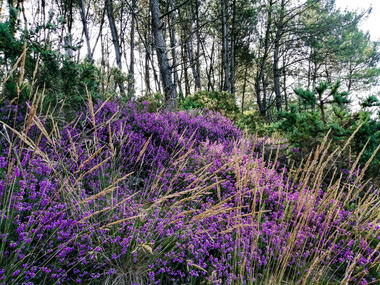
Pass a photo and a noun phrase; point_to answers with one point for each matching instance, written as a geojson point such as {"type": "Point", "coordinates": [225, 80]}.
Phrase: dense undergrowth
{"type": "Point", "coordinates": [124, 196]}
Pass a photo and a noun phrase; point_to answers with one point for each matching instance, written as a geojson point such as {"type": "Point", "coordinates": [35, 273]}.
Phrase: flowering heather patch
{"type": "Point", "coordinates": [122, 196]}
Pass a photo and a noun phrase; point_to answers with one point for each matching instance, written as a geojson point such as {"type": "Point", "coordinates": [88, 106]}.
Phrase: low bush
{"type": "Point", "coordinates": [122, 195]}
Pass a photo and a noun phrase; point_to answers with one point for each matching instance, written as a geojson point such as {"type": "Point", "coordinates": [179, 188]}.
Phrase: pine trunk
{"type": "Point", "coordinates": [169, 88]}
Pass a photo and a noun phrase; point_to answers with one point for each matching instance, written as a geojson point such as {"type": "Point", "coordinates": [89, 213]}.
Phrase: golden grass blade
{"type": "Point", "coordinates": [143, 150]}
{"type": "Point", "coordinates": [88, 159]}
{"type": "Point", "coordinates": [92, 170]}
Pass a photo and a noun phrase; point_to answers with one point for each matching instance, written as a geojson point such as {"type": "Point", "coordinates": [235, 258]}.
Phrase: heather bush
{"type": "Point", "coordinates": [124, 195]}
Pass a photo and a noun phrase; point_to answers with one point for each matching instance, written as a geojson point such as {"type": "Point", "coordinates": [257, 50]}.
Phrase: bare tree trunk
{"type": "Point", "coordinates": [244, 87]}
{"type": "Point", "coordinates": [209, 66]}
{"type": "Point", "coordinates": [264, 103]}
{"type": "Point", "coordinates": [322, 108]}
{"type": "Point", "coordinates": [198, 33]}
{"type": "Point", "coordinates": [184, 62]}
{"type": "Point", "coordinates": [187, 41]}
{"type": "Point", "coordinates": [103, 61]}
{"type": "Point", "coordinates": [68, 39]}
{"type": "Point", "coordinates": [147, 74]}
{"type": "Point", "coordinates": [115, 40]}
{"type": "Point", "coordinates": [309, 70]}
{"type": "Point", "coordinates": [156, 77]}
{"type": "Point", "coordinates": [173, 43]}
{"type": "Point", "coordinates": [169, 88]}
{"type": "Point", "coordinates": [194, 63]}
{"type": "Point", "coordinates": [276, 57]}
{"type": "Point", "coordinates": [258, 95]}
{"type": "Point", "coordinates": [131, 75]}
{"type": "Point", "coordinates": [225, 49]}
{"type": "Point", "coordinates": [261, 102]}
{"type": "Point", "coordinates": [315, 74]}
{"type": "Point", "coordinates": [212, 68]}
{"type": "Point", "coordinates": [99, 33]}
{"type": "Point", "coordinates": [193, 66]}
{"type": "Point", "coordinates": [85, 29]}
{"type": "Point", "coordinates": [233, 43]}
{"type": "Point", "coordinates": [284, 83]}
{"type": "Point", "coordinates": [350, 79]}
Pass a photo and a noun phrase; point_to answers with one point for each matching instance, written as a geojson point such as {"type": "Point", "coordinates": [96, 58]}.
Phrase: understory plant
{"type": "Point", "coordinates": [121, 195]}
{"type": "Point", "coordinates": [326, 110]}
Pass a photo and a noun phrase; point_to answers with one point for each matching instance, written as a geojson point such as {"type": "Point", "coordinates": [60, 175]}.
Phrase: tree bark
{"type": "Point", "coordinates": [276, 57]}
{"type": "Point", "coordinates": [225, 48]}
{"type": "Point", "coordinates": [194, 62]}
{"type": "Point", "coordinates": [260, 76]}
{"type": "Point", "coordinates": [193, 66]}
{"type": "Point", "coordinates": [169, 88]}
{"type": "Point", "coordinates": [173, 43]}
{"type": "Point", "coordinates": [147, 74]}
{"type": "Point", "coordinates": [198, 35]}
{"type": "Point", "coordinates": [85, 29]}
{"type": "Point", "coordinates": [244, 88]}
{"type": "Point", "coordinates": [233, 43]}
{"type": "Point", "coordinates": [131, 75]}
{"type": "Point", "coordinates": [115, 40]}
{"type": "Point", "coordinates": [284, 84]}
{"type": "Point", "coordinates": [184, 59]}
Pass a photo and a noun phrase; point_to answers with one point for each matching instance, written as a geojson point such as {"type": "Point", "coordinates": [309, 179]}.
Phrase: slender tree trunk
{"type": "Point", "coordinates": [221, 69]}
{"type": "Point", "coordinates": [225, 48]}
{"type": "Point", "coordinates": [155, 76]}
{"type": "Point", "coordinates": [68, 40]}
{"type": "Point", "coordinates": [198, 35]}
{"type": "Point", "coordinates": [102, 62]}
{"type": "Point", "coordinates": [258, 95]}
{"type": "Point", "coordinates": [131, 75]}
{"type": "Point", "coordinates": [349, 84]}
{"type": "Point", "coordinates": [99, 33]}
{"type": "Point", "coordinates": [115, 40]}
{"type": "Point", "coordinates": [233, 43]}
{"type": "Point", "coordinates": [169, 88]}
{"type": "Point", "coordinates": [194, 60]}
{"type": "Point", "coordinates": [314, 76]}
{"type": "Point", "coordinates": [193, 66]}
{"type": "Point", "coordinates": [261, 102]}
{"type": "Point", "coordinates": [244, 87]}
{"type": "Point", "coordinates": [184, 53]}
{"type": "Point", "coordinates": [173, 43]}
{"type": "Point", "coordinates": [147, 74]}
{"type": "Point", "coordinates": [212, 68]}
{"type": "Point", "coordinates": [265, 85]}
{"type": "Point", "coordinates": [85, 29]}
{"type": "Point", "coordinates": [309, 70]}
{"type": "Point", "coordinates": [188, 42]}
{"type": "Point", "coordinates": [209, 66]}
{"type": "Point", "coordinates": [322, 108]}
{"type": "Point", "coordinates": [184, 62]}
{"type": "Point", "coordinates": [284, 83]}
{"type": "Point", "coordinates": [276, 57]}
{"type": "Point", "coordinates": [114, 33]}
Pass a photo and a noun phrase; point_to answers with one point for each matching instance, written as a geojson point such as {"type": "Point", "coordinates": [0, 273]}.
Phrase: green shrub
{"type": "Point", "coordinates": [219, 101]}
{"type": "Point", "coordinates": [42, 68]}
{"type": "Point", "coordinates": [154, 101]}
{"type": "Point", "coordinates": [307, 125]}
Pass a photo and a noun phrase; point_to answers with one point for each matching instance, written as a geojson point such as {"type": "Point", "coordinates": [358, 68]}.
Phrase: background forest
{"type": "Point", "coordinates": [188, 142]}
